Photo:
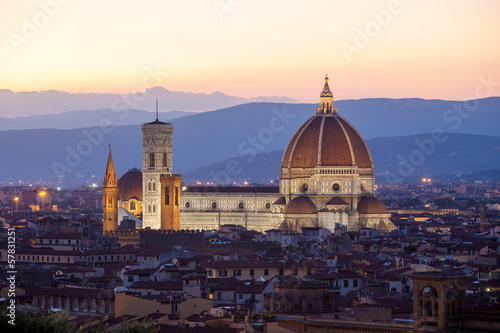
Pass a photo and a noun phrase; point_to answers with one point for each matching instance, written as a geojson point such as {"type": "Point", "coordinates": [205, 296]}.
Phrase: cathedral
{"type": "Point", "coordinates": [326, 180]}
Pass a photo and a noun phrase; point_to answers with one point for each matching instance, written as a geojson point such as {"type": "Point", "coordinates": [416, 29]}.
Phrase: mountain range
{"type": "Point", "coordinates": [248, 130]}
{"type": "Point", "coordinates": [395, 159]}
{"type": "Point", "coordinates": [28, 103]}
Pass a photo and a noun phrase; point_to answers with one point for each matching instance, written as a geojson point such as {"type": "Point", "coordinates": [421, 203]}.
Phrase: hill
{"type": "Point", "coordinates": [395, 159]}
{"type": "Point", "coordinates": [245, 130]}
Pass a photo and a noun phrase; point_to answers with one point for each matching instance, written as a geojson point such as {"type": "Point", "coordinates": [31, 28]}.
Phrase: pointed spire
{"type": "Point", "coordinates": [326, 89]}
{"type": "Point", "coordinates": [110, 176]}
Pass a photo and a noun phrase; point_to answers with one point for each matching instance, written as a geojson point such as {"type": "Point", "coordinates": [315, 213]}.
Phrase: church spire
{"type": "Point", "coordinates": [110, 176]}
{"type": "Point", "coordinates": [326, 89]}
{"type": "Point", "coordinates": [326, 100]}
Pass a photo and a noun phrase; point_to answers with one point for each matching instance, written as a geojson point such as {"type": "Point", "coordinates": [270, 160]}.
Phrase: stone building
{"type": "Point", "coordinates": [326, 179]}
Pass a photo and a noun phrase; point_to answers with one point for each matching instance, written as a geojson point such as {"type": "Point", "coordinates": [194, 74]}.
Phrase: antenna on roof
{"type": "Point", "coordinates": [157, 109]}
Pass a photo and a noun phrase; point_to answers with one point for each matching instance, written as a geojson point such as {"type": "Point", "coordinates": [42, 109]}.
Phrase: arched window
{"type": "Point", "coordinates": [177, 196]}
{"type": "Point", "coordinates": [110, 202]}
{"type": "Point", "coordinates": [151, 160]}
{"type": "Point", "coordinates": [149, 208]}
{"type": "Point", "coordinates": [167, 196]}
{"type": "Point", "coordinates": [164, 159]}
{"type": "Point", "coordinates": [149, 186]}
{"type": "Point", "coordinates": [429, 290]}
{"type": "Point", "coordinates": [132, 205]}
{"type": "Point", "coordinates": [154, 187]}
{"type": "Point", "coordinates": [154, 208]}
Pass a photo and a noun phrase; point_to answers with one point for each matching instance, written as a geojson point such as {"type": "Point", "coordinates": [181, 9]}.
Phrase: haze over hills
{"type": "Point", "coordinates": [26, 103]}
{"type": "Point", "coordinates": [86, 118]}
{"type": "Point", "coordinates": [247, 130]}
{"type": "Point", "coordinates": [395, 159]}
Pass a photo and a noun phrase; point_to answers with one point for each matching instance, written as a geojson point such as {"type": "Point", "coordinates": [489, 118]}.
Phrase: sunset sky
{"type": "Point", "coordinates": [428, 49]}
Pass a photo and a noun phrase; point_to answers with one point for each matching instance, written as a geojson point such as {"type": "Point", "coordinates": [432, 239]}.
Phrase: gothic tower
{"type": "Point", "coordinates": [170, 202]}
{"type": "Point", "coordinates": [110, 198]}
{"type": "Point", "coordinates": [156, 161]}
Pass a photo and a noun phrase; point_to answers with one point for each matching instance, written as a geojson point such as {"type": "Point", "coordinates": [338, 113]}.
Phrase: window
{"type": "Point", "coordinates": [110, 216]}
{"type": "Point", "coordinates": [428, 309]}
{"type": "Point", "coordinates": [165, 159]}
{"type": "Point", "coordinates": [154, 208]}
{"type": "Point", "coordinates": [241, 205]}
{"type": "Point", "coordinates": [223, 272]}
{"type": "Point", "coordinates": [154, 187]}
{"type": "Point", "coordinates": [151, 160]}
{"type": "Point", "coordinates": [268, 205]}
{"type": "Point", "coordinates": [237, 272]}
{"type": "Point", "coordinates": [266, 271]}
{"type": "Point", "coordinates": [355, 283]}
{"type": "Point", "coordinates": [149, 186]}
{"type": "Point", "coordinates": [281, 271]}
{"type": "Point", "coordinates": [149, 208]}
{"type": "Point", "coordinates": [110, 202]}
{"type": "Point", "coordinates": [130, 278]}
{"type": "Point", "coordinates": [187, 205]}
{"type": "Point", "coordinates": [240, 296]}
{"type": "Point", "coordinates": [219, 295]}
{"type": "Point", "coordinates": [252, 272]}
{"type": "Point", "coordinates": [210, 273]}
{"type": "Point", "coordinates": [132, 205]}
{"type": "Point", "coordinates": [346, 283]}
{"type": "Point", "coordinates": [214, 205]}
{"type": "Point", "coordinates": [167, 196]}
{"type": "Point", "coordinates": [336, 187]}
{"type": "Point", "coordinates": [177, 196]}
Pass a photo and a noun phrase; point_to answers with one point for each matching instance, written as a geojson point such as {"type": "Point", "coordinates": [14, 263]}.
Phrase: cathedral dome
{"type": "Point", "coordinates": [326, 140]}
{"type": "Point", "coordinates": [371, 205]}
{"type": "Point", "coordinates": [130, 184]}
{"type": "Point", "coordinates": [300, 205]}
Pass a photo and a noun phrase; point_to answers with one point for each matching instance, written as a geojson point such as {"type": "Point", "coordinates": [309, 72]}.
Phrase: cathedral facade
{"type": "Point", "coordinates": [326, 179]}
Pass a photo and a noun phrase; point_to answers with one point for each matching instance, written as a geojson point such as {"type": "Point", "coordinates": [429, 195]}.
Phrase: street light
{"type": "Point", "coordinates": [16, 199]}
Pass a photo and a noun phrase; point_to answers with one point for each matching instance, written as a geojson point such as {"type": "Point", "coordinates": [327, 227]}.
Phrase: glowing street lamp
{"type": "Point", "coordinates": [16, 199]}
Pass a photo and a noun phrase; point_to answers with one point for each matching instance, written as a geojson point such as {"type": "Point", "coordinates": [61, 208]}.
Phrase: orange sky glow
{"type": "Point", "coordinates": [428, 49]}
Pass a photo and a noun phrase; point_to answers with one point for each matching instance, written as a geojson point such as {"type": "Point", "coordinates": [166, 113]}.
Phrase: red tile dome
{"type": "Point", "coordinates": [371, 205]}
{"type": "Point", "coordinates": [130, 184]}
{"type": "Point", "coordinates": [326, 139]}
{"type": "Point", "coordinates": [300, 205]}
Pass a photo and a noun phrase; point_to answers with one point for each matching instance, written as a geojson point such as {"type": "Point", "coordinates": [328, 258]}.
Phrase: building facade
{"type": "Point", "coordinates": [326, 179]}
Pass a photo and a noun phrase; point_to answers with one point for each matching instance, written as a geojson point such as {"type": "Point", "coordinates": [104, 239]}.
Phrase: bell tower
{"type": "Point", "coordinates": [110, 198]}
{"type": "Point", "coordinates": [438, 301]}
{"type": "Point", "coordinates": [156, 161]}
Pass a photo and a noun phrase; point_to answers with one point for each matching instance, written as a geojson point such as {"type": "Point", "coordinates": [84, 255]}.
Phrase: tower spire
{"type": "Point", "coordinates": [326, 100]}
{"type": "Point", "coordinates": [110, 175]}
{"type": "Point", "coordinates": [157, 109]}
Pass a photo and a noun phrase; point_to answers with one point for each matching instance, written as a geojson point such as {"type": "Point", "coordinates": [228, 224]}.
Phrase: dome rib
{"type": "Point", "coordinates": [290, 148]}
{"type": "Point", "coordinates": [353, 156]}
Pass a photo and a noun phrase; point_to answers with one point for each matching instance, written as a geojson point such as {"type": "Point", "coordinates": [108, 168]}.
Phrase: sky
{"type": "Point", "coordinates": [397, 49]}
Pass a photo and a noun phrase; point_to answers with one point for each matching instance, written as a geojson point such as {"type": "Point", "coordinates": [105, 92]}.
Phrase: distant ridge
{"type": "Point", "coordinates": [459, 154]}
{"type": "Point", "coordinates": [205, 138]}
